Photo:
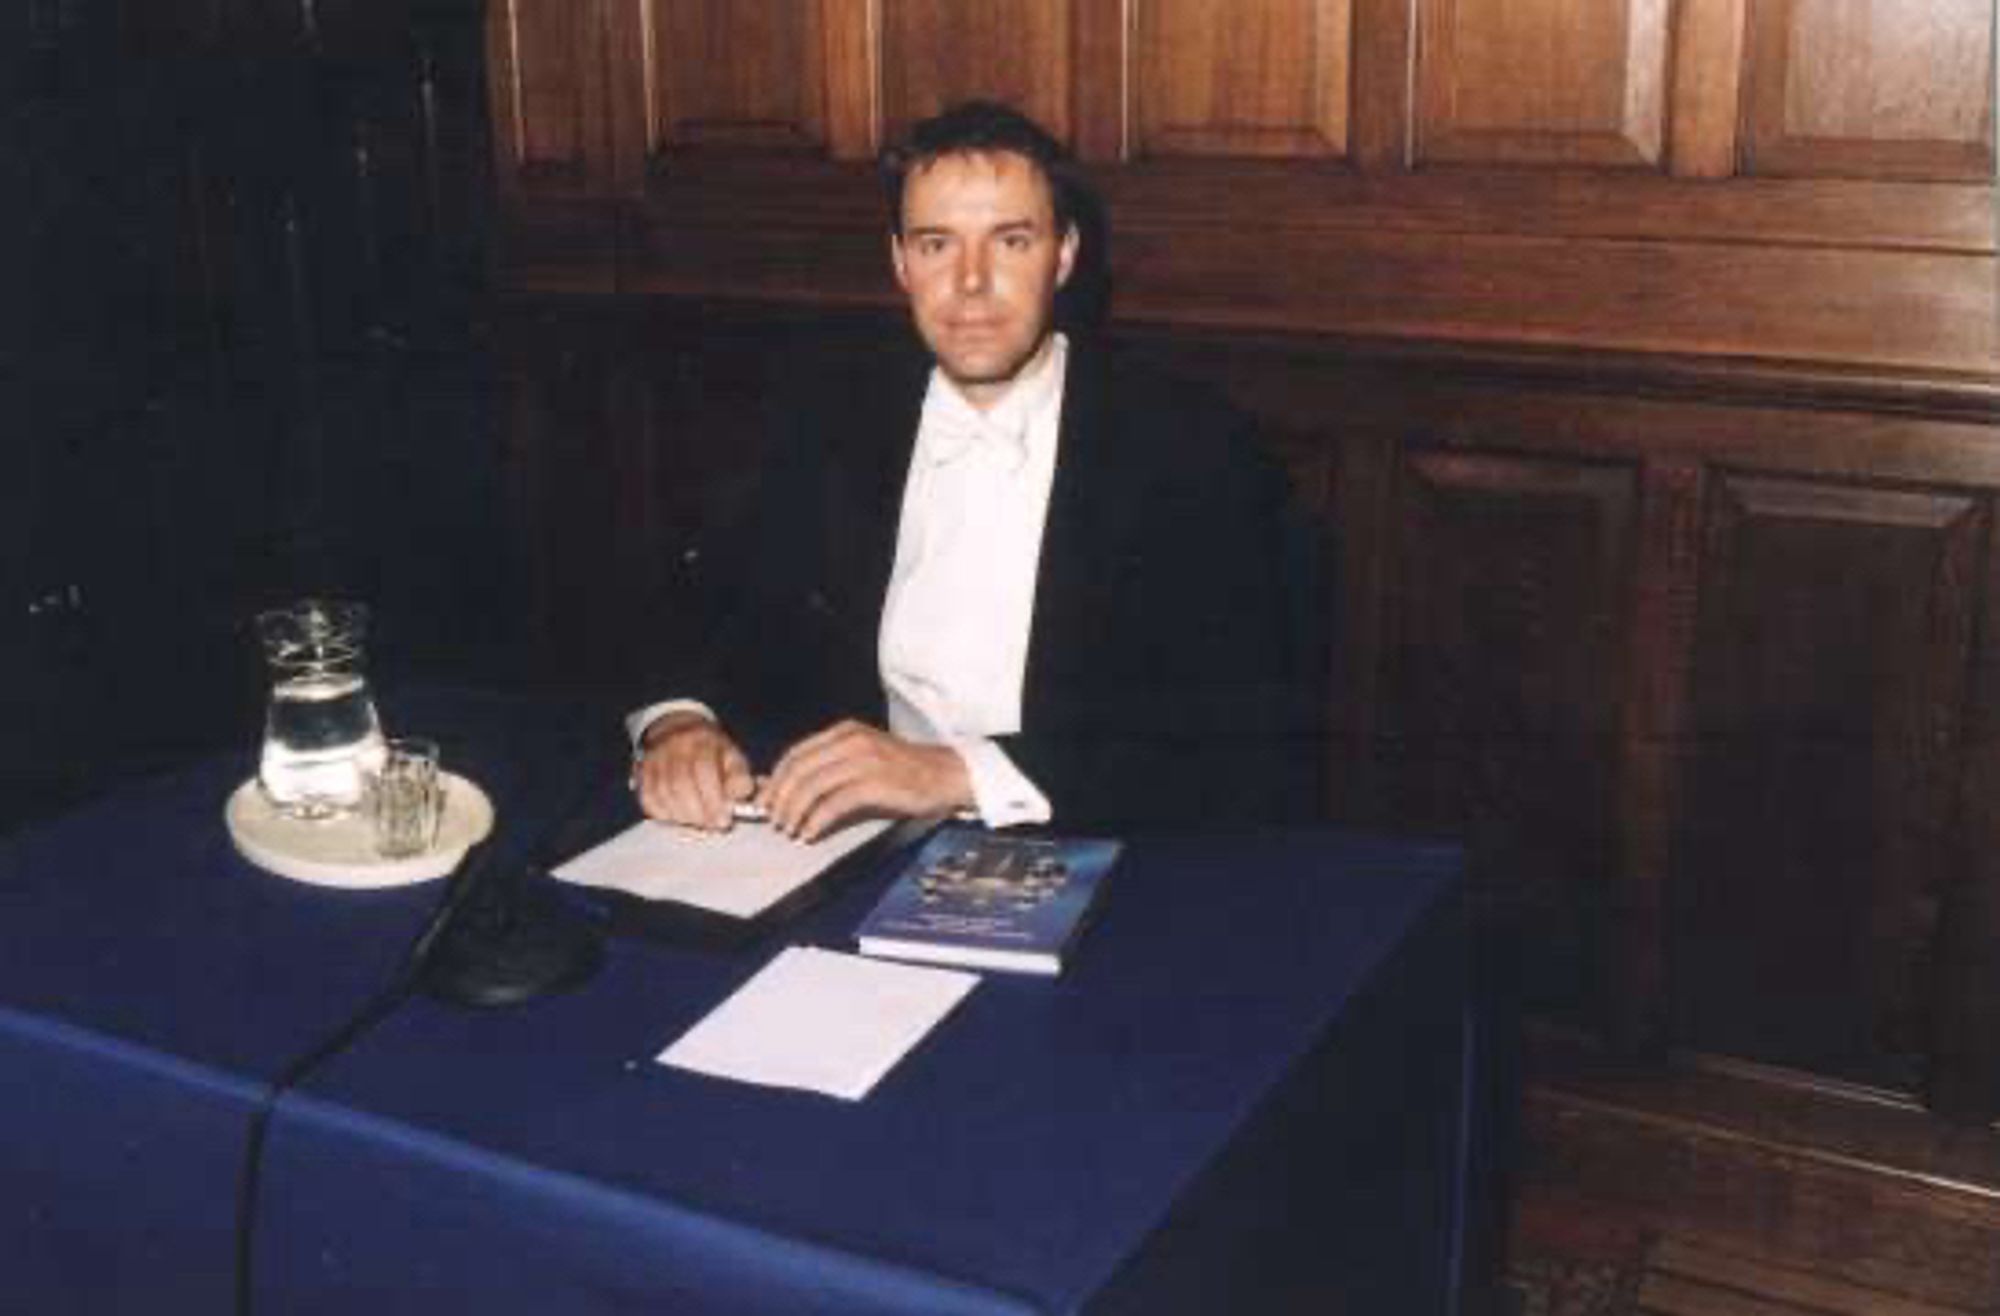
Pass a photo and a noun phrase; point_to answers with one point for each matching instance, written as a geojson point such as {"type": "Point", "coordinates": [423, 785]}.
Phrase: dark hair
{"type": "Point", "coordinates": [978, 128]}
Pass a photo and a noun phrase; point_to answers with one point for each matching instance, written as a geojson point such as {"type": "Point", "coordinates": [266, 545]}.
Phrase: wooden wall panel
{"type": "Point", "coordinates": [1256, 78]}
{"type": "Point", "coordinates": [1879, 309]}
{"type": "Point", "coordinates": [1871, 88]}
{"type": "Point", "coordinates": [744, 77]}
{"type": "Point", "coordinates": [1707, 87]}
{"type": "Point", "coordinates": [1836, 633]}
{"type": "Point", "coordinates": [545, 83]}
{"type": "Point", "coordinates": [935, 52]}
{"type": "Point", "coordinates": [1542, 82]}
{"type": "Point", "coordinates": [1501, 686]}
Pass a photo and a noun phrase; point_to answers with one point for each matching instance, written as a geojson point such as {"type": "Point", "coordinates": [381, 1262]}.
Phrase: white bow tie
{"type": "Point", "coordinates": [951, 433]}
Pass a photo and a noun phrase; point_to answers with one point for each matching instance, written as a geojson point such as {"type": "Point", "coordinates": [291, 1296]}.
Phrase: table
{"type": "Point", "coordinates": [1249, 1089]}
{"type": "Point", "coordinates": [152, 984]}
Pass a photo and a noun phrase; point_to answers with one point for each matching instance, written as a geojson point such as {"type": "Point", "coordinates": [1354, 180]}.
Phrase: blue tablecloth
{"type": "Point", "coordinates": [152, 983]}
{"type": "Point", "coordinates": [1249, 1088]}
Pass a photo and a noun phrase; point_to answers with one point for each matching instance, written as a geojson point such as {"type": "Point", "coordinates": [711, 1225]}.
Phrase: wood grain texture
{"type": "Point", "coordinates": [1963, 1077]}
{"type": "Point", "coordinates": [935, 52]}
{"type": "Point", "coordinates": [1384, 118]}
{"type": "Point", "coordinates": [1100, 86]}
{"type": "Point", "coordinates": [1652, 755]}
{"type": "Point", "coordinates": [1887, 310]}
{"type": "Point", "coordinates": [1830, 699]}
{"type": "Point", "coordinates": [744, 78]}
{"type": "Point", "coordinates": [1871, 88]}
{"type": "Point", "coordinates": [1255, 78]}
{"type": "Point", "coordinates": [1750, 1171]}
{"type": "Point", "coordinates": [1505, 601]}
{"type": "Point", "coordinates": [1707, 87]}
{"type": "Point", "coordinates": [1542, 82]}
{"type": "Point", "coordinates": [852, 46]}
{"type": "Point", "coordinates": [545, 81]}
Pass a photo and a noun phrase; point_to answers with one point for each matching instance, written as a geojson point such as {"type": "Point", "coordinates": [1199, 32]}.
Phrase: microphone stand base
{"type": "Point", "coordinates": [537, 947]}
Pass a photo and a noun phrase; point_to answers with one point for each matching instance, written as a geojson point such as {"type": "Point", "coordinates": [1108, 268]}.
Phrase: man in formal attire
{"type": "Point", "coordinates": [1006, 577]}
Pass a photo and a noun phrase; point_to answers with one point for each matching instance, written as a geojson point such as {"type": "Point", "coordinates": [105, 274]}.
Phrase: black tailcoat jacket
{"type": "Point", "coordinates": [1170, 674]}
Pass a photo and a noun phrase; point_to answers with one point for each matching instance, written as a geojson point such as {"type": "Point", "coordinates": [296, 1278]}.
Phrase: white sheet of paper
{"type": "Point", "coordinates": [740, 872]}
{"type": "Point", "coordinates": [820, 1021]}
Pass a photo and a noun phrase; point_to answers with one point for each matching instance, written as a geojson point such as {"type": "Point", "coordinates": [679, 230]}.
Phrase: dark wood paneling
{"type": "Point", "coordinates": [547, 82]}
{"type": "Point", "coordinates": [1829, 1186]}
{"type": "Point", "coordinates": [1884, 89]}
{"type": "Point", "coordinates": [1505, 603]}
{"type": "Point", "coordinates": [935, 52]}
{"type": "Point", "coordinates": [1962, 1080]}
{"type": "Point", "coordinates": [1888, 310]}
{"type": "Point", "coordinates": [1100, 91]}
{"type": "Point", "coordinates": [1653, 750]}
{"type": "Point", "coordinates": [734, 76]}
{"type": "Point", "coordinates": [1886, 277]}
{"type": "Point", "coordinates": [1707, 87]}
{"type": "Point", "coordinates": [1259, 78]}
{"type": "Point", "coordinates": [1543, 82]}
{"type": "Point", "coordinates": [1837, 627]}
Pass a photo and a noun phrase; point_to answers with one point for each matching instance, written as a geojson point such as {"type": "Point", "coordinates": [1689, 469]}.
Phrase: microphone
{"type": "Point", "coordinates": [499, 939]}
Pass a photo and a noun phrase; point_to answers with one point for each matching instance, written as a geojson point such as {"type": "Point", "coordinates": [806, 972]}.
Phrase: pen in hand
{"type": "Point", "coordinates": [739, 810]}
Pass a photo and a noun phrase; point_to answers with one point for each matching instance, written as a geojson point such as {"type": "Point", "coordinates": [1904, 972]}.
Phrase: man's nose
{"type": "Point", "coordinates": [975, 271]}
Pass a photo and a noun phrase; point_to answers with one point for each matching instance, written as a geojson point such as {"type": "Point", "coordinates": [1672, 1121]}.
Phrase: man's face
{"type": "Point", "coordinates": [981, 260]}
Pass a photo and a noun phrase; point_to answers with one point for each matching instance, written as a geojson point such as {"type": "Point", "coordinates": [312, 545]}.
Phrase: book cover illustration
{"type": "Point", "coordinates": [990, 900]}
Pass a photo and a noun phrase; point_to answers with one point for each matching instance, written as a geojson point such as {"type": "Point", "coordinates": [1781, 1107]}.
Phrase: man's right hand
{"type": "Point", "coordinates": [691, 772]}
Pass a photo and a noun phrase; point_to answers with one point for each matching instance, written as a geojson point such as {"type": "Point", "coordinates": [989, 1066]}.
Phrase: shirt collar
{"type": "Point", "coordinates": [951, 426]}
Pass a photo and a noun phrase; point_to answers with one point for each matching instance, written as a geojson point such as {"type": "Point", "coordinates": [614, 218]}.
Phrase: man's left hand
{"type": "Point", "coordinates": [851, 769]}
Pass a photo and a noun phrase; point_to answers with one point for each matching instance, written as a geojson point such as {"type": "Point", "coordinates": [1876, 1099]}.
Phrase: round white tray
{"type": "Point", "coordinates": [341, 851]}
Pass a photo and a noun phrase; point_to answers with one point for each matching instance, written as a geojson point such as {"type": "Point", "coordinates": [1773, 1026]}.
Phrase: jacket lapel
{"type": "Point", "coordinates": [868, 464]}
{"type": "Point", "coordinates": [1071, 532]}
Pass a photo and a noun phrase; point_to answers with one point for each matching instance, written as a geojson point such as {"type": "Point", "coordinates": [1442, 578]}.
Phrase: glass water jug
{"type": "Point", "coordinates": [321, 733]}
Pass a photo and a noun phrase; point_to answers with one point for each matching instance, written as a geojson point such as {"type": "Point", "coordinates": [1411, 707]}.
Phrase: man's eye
{"type": "Point", "coordinates": [930, 246]}
{"type": "Point", "coordinates": [1018, 241]}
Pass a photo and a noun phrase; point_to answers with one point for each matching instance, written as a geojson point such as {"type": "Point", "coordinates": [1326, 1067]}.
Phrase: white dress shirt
{"type": "Point", "coordinates": [953, 644]}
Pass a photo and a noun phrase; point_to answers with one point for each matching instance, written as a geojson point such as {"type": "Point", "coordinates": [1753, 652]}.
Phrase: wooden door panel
{"type": "Point", "coordinates": [1542, 82]}
{"type": "Point", "coordinates": [1499, 694]}
{"type": "Point", "coordinates": [734, 76]}
{"type": "Point", "coordinates": [1872, 88]}
{"type": "Point", "coordinates": [1831, 663]}
{"type": "Point", "coordinates": [936, 52]}
{"type": "Point", "coordinates": [1259, 78]}
{"type": "Point", "coordinates": [546, 83]}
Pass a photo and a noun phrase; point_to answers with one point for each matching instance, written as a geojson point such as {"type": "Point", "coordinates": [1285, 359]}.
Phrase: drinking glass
{"type": "Point", "coordinates": [405, 798]}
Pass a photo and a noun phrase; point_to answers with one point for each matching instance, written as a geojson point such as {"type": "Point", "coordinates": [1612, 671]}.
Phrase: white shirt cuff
{"type": "Point", "coordinates": [1005, 796]}
{"type": "Point", "coordinates": [636, 723]}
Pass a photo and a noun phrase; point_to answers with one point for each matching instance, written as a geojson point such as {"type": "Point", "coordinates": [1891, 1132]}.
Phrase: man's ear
{"type": "Point", "coordinates": [896, 261]}
{"type": "Point", "coordinates": [1066, 255]}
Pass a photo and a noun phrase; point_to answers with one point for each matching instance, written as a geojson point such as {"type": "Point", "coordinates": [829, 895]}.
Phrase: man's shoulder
{"type": "Point", "coordinates": [822, 374]}
{"type": "Point", "coordinates": [1139, 401]}
{"type": "Point", "coordinates": [844, 400]}
{"type": "Point", "coordinates": [1131, 383]}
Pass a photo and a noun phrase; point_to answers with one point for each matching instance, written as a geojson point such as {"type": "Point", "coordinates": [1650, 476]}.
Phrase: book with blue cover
{"type": "Point", "coordinates": [990, 900]}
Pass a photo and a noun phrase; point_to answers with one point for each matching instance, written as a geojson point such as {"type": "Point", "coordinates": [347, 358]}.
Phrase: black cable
{"type": "Point", "coordinates": [373, 1011]}
{"type": "Point", "coordinates": [467, 882]}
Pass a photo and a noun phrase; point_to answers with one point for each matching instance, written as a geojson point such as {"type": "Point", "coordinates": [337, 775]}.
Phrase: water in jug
{"type": "Point", "coordinates": [321, 733]}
